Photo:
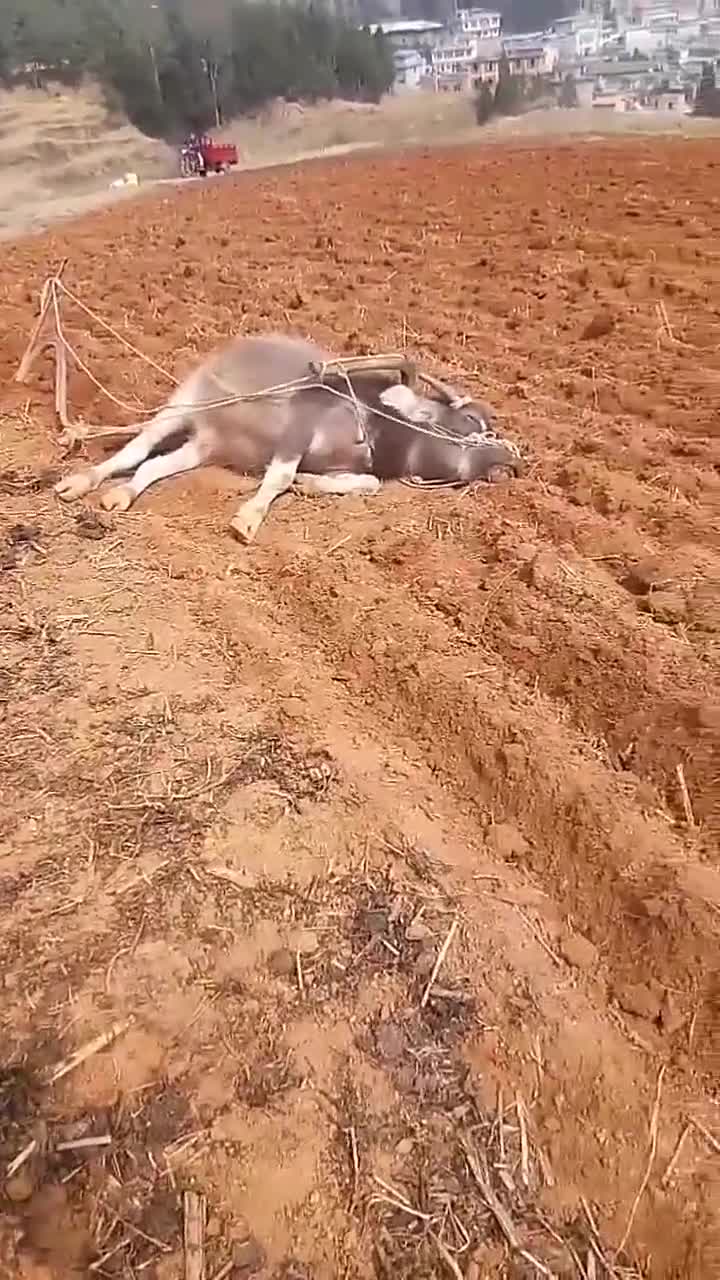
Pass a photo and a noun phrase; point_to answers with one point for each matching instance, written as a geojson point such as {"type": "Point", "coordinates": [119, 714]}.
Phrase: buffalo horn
{"type": "Point", "coordinates": [449, 394]}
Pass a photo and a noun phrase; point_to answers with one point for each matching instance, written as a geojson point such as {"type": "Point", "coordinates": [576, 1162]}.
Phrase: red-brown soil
{"type": "Point", "coordinates": [247, 792]}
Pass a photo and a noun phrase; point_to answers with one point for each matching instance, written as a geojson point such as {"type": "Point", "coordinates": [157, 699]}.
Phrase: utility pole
{"type": "Point", "coordinates": [153, 61]}
{"type": "Point", "coordinates": [212, 68]}
{"type": "Point", "coordinates": [156, 74]}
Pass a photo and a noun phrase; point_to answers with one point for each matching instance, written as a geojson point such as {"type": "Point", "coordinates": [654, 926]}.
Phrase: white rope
{"type": "Point", "coordinates": [180, 409]}
{"type": "Point", "coordinates": [359, 417]}
{"type": "Point", "coordinates": [435, 431]}
{"type": "Point", "coordinates": [128, 408]}
{"type": "Point", "coordinates": [59, 284]}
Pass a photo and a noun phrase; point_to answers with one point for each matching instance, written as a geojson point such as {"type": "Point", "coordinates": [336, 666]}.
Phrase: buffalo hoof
{"type": "Point", "coordinates": [245, 525]}
{"type": "Point", "coordinates": [119, 498]}
{"type": "Point", "coordinates": [75, 486]}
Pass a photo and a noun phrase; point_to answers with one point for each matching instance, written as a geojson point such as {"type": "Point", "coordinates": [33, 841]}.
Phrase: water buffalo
{"type": "Point", "coordinates": [287, 410]}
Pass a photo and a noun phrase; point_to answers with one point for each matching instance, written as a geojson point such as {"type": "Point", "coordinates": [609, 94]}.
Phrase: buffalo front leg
{"type": "Point", "coordinates": [277, 480]}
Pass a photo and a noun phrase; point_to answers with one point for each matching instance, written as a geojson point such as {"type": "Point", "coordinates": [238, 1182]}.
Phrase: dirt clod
{"type": "Point", "coordinates": [666, 606]}
{"type": "Point", "coordinates": [648, 574]}
{"type": "Point", "coordinates": [507, 842]}
{"type": "Point", "coordinates": [541, 572]}
{"type": "Point", "coordinates": [305, 941]}
{"type": "Point", "coordinates": [282, 962]}
{"type": "Point", "coordinates": [89, 524]}
{"type": "Point", "coordinates": [20, 1187]}
{"type": "Point", "coordinates": [418, 931]}
{"type": "Point", "coordinates": [390, 1041]}
{"type": "Point", "coordinates": [248, 1256]}
{"type": "Point", "coordinates": [639, 999]}
{"type": "Point", "coordinates": [600, 326]}
{"type": "Point", "coordinates": [579, 952]}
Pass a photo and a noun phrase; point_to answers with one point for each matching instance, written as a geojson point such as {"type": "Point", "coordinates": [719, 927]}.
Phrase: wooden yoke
{"type": "Point", "coordinates": [368, 364]}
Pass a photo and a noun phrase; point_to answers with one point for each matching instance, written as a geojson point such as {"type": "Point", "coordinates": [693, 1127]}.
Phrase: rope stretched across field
{"type": "Point", "coordinates": [55, 287]}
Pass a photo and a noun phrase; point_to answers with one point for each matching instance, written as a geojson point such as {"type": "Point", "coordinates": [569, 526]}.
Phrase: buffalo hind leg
{"type": "Point", "coordinates": [338, 483]}
{"type": "Point", "coordinates": [80, 483]}
{"type": "Point", "coordinates": [187, 458]}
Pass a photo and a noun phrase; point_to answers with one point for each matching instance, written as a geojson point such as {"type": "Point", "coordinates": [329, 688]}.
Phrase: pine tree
{"type": "Point", "coordinates": [484, 103]}
{"type": "Point", "coordinates": [172, 66]}
{"type": "Point", "coordinates": [509, 91]}
{"type": "Point", "coordinates": [707, 98]}
{"type": "Point", "coordinates": [568, 92]}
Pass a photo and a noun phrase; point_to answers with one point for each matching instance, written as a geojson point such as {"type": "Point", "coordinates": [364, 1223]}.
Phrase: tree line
{"type": "Point", "coordinates": [173, 65]}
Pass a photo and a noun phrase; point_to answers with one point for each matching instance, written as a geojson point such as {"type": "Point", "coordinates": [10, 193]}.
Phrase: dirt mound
{"type": "Point", "coordinates": [384, 853]}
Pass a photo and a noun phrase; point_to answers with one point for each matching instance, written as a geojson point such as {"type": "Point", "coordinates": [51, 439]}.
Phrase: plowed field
{"type": "Point", "coordinates": [248, 795]}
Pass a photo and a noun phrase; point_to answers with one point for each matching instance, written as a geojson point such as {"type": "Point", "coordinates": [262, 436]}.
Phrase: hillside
{"type": "Point", "coordinates": [60, 149]}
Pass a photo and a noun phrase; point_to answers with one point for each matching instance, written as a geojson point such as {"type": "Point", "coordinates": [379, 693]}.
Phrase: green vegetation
{"type": "Point", "coordinates": [707, 101]}
{"type": "Point", "coordinates": [568, 96]}
{"type": "Point", "coordinates": [511, 96]}
{"type": "Point", "coordinates": [173, 66]}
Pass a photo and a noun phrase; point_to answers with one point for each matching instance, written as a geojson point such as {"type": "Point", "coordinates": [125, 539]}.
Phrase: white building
{"type": "Point", "coordinates": [669, 99]}
{"type": "Point", "coordinates": [455, 55]}
{"type": "Point", "coordinates": [409, 33]}
{"type": "Point", "coordinates": [465, 65]}
{"type": "Point", "coordinates": [530, 54]}
{"type": "Point", "coordinates": [647, 40]}
{"type": "Point", "coordinates": [467, 40]}
{"type": "Point", "coordinates": [410, 70]}
{"type": "Point", "coordinates": [576, 37]}
{"type": "Point", "coordinates": [609, 100]}
{"type": "Point", "coordinates": [487, 67]}
{"type": "Point", "coordinates": [485, 23]}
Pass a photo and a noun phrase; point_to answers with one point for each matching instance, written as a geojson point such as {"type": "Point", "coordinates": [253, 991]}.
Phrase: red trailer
{"type": "Point", "coordinates": [201, 155]}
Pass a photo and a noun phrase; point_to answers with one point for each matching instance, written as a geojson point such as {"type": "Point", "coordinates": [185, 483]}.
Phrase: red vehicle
{"type": "Point", "coordinates": [200, 155]}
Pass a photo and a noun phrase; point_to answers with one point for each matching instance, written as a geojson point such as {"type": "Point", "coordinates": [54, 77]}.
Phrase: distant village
{"type": "Point", "coordinates": [636, 55]}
